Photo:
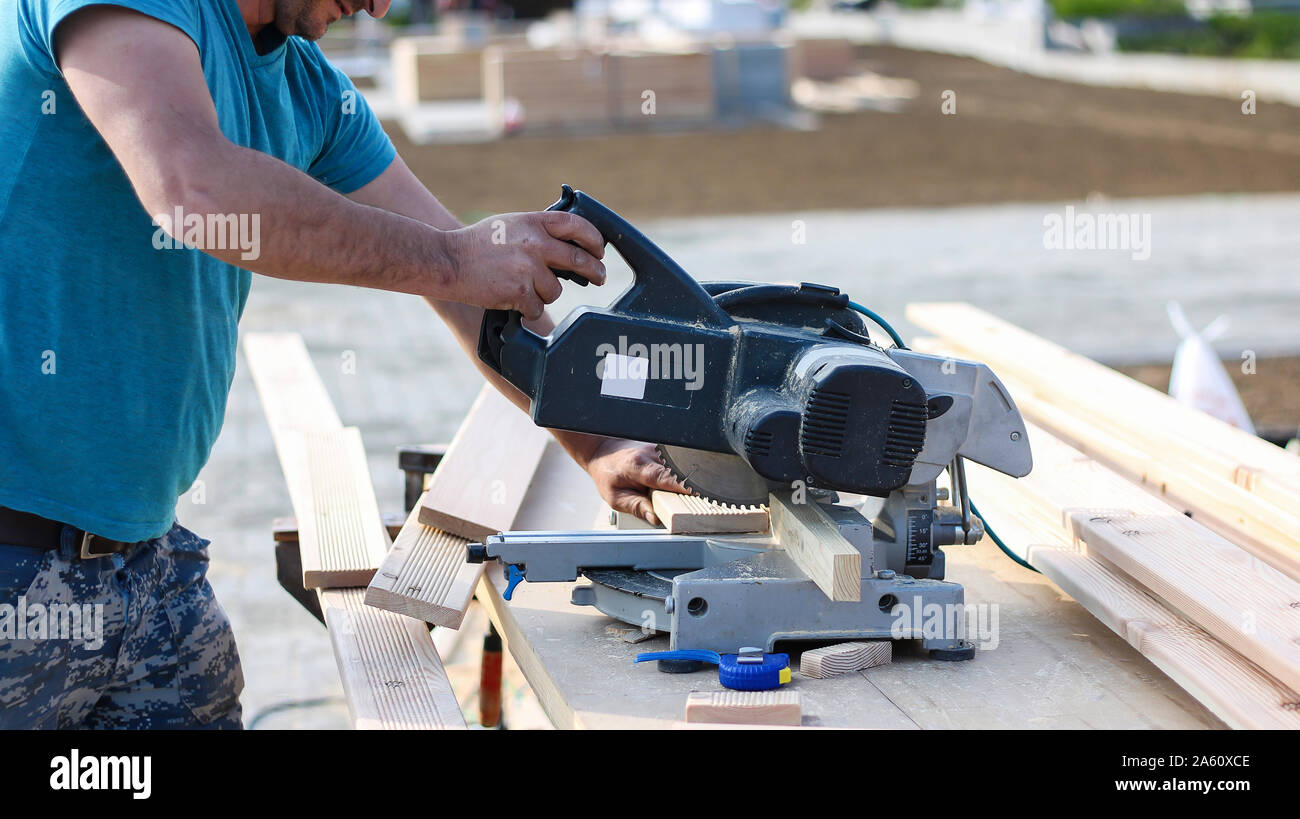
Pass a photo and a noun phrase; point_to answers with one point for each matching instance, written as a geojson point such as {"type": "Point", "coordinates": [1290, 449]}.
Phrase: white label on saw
{"type": "Point", "coordinates": [624, 376]}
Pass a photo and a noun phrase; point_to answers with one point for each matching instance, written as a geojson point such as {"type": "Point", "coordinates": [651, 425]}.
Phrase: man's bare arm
{"type": "Point", "coordinates": [623, 471]}
{"type": "Point", "coordinates": [140, 82]}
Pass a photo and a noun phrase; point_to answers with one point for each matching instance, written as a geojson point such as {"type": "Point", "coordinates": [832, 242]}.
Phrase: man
{"type": "Point", "coordinates": [117, 344]}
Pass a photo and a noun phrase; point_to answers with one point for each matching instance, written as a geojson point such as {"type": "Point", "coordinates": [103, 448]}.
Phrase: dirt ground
{"type": "Point", "coordinates": [1013, 138]}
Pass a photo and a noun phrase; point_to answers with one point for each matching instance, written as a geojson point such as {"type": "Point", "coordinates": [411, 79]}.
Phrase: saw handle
{"type": "Point", "coordinates": [564, 203]}
{"type": "Point", "coordinates": [660, 289]}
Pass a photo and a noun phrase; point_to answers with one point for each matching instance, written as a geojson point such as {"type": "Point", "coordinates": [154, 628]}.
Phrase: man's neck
{"type": "Point", "coordinates": [258, 14]}
{"type": "Point", "coordinates": [259, 18]}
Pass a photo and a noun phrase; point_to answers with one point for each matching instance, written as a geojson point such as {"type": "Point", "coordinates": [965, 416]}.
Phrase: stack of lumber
{"type": "Point", "coordinates": [1171, 527]}
{"type": "Point", "coordinates": [435, 69]}
{"type": "Point", "coordinates": [681, 84]}
{"type": "Point", "coordinates": [822, 58]}
{"type": "Point", "coordinates": [555, 87]}
{"type": "Point", "coordinates": [391, 672]}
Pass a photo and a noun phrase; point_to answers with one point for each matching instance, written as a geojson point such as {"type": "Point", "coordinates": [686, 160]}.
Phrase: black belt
{"type": "Point", "coordinates": [35, 532]}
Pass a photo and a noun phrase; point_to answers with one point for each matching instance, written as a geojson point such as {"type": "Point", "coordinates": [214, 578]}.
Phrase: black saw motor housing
{"type": "Point", "coordinates": [785, 376]}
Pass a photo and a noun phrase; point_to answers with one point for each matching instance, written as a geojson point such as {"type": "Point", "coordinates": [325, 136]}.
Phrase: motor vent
{"type": "Point", "coordinates": [758, 443]}
{"type": "Point", "coordinates": [825, 422]}
{"type": "Point", "coordinates": [906, 434]}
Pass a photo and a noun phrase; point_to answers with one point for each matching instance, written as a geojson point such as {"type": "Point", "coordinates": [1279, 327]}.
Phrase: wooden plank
{"type": "Point", "coordinates": [1270, 532]}
{"type": "Point", "coordinates": [1211, 581]}
{"type": "Point", "coordinates": [1145, 418]}
{"type": "Point", "coordinates": [687, 514]}
{"type": "Point", "coordinates": [816, 546]}
{"type": "Point", "coordinates": [744, 707]}
{"type": "Point", "coordinates": [477, 489]}
{"type": "Point", "coordinates": [425, 575]}
{"type": "Point", "coordinates": [392, 676]}
{"type": "Point", "coordinates": [341, 534]}
{"type": "Point", "coordinates": [1234, 689]}
{"type": "Point", "coordinates": [562, 87]}
{"type": "Point", "coordinates": [292, 394]}
{"type": "Point", "coordinates": [844, 658]}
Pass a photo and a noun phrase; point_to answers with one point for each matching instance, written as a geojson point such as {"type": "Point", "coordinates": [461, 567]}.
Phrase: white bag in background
{"type": "Point", "coordinates": [1198, 378]}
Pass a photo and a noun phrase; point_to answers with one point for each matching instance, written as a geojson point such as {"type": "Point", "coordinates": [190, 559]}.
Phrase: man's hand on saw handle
{"type": "Point", "coordinates": [505, 262]}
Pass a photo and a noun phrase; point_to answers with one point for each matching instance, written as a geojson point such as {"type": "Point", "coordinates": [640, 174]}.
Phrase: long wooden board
{"type": "Point", "coordinates": [425, 575]}
{"type": "Point", "coordinates": [1265, 530]}
{"type": "Point", "coordinates": [392, 676]}
{"type": "Point", "coordinates": [815, 544]}
{"type": "Point", "coordinates": [478, 486]}
{"type": "Point", "coordinates": [1234, 689]}
{"type": "Point", "coordinates": [476, 491]}
{"type": "Point", "coordinates": [1211, 581]}
{"type": "Point", "coordinates": [1147, 419]}
{"type": "Point", "coordinates": [292, 394]}
{"type": "Point", "coordinates": [341, 533]}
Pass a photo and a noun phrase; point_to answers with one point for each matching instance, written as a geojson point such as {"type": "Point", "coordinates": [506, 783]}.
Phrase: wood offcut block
{"type": "Point", "coordinates": [845, 658]}
{"type": "Point", "coordinates": [744, 707]}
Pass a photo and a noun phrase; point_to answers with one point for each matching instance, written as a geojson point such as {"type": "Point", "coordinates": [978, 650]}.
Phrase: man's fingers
{"type": "Point", "coordinates": [570, 227]}
{"type": "Point", "coordinates": [657, 476]}
{"type": "Point", "coordinates": [531, 307]}
{"type": "Point", "coordinates": [564, 256]}
{"type": "Point", "coordinates": [546, 286]}
{"type": "Point", "coordinates": [635, 503]}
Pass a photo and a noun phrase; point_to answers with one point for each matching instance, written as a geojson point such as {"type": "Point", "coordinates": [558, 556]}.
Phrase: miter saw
{"type": "Point", "coordinates": [789, 394]}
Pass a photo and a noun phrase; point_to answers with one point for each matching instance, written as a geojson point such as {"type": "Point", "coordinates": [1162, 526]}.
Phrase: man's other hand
{"type": "Point", "coordinates": [625, 472]}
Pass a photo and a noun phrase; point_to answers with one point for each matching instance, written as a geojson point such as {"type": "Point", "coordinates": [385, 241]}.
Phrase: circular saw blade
{"type": "Point", "coordinates": [718, 476]}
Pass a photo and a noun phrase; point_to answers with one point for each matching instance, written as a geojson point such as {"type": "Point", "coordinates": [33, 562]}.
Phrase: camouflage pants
{"type": "Point", "coordinates": [136, 640]}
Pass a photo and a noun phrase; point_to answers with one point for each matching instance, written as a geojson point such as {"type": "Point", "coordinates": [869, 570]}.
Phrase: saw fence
{"type": "Point", "coordinates": [1176, 530]}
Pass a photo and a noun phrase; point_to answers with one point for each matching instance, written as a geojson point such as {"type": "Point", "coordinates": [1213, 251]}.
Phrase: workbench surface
{"type": "Point", "coordinates": [1055, 665]}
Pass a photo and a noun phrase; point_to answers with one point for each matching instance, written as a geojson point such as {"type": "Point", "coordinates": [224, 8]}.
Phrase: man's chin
{"type": "Point", "coordinates": [308, 29]}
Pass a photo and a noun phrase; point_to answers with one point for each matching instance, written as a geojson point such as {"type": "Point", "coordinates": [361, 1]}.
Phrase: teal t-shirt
{"type": "Point", "coordinates": [116, 356]}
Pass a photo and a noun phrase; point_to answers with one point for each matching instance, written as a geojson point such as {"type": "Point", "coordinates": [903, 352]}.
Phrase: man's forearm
{"type": "Point", "coordinates": [464, 322]}
{"type": "Point", "coordinates": [307, 232]}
